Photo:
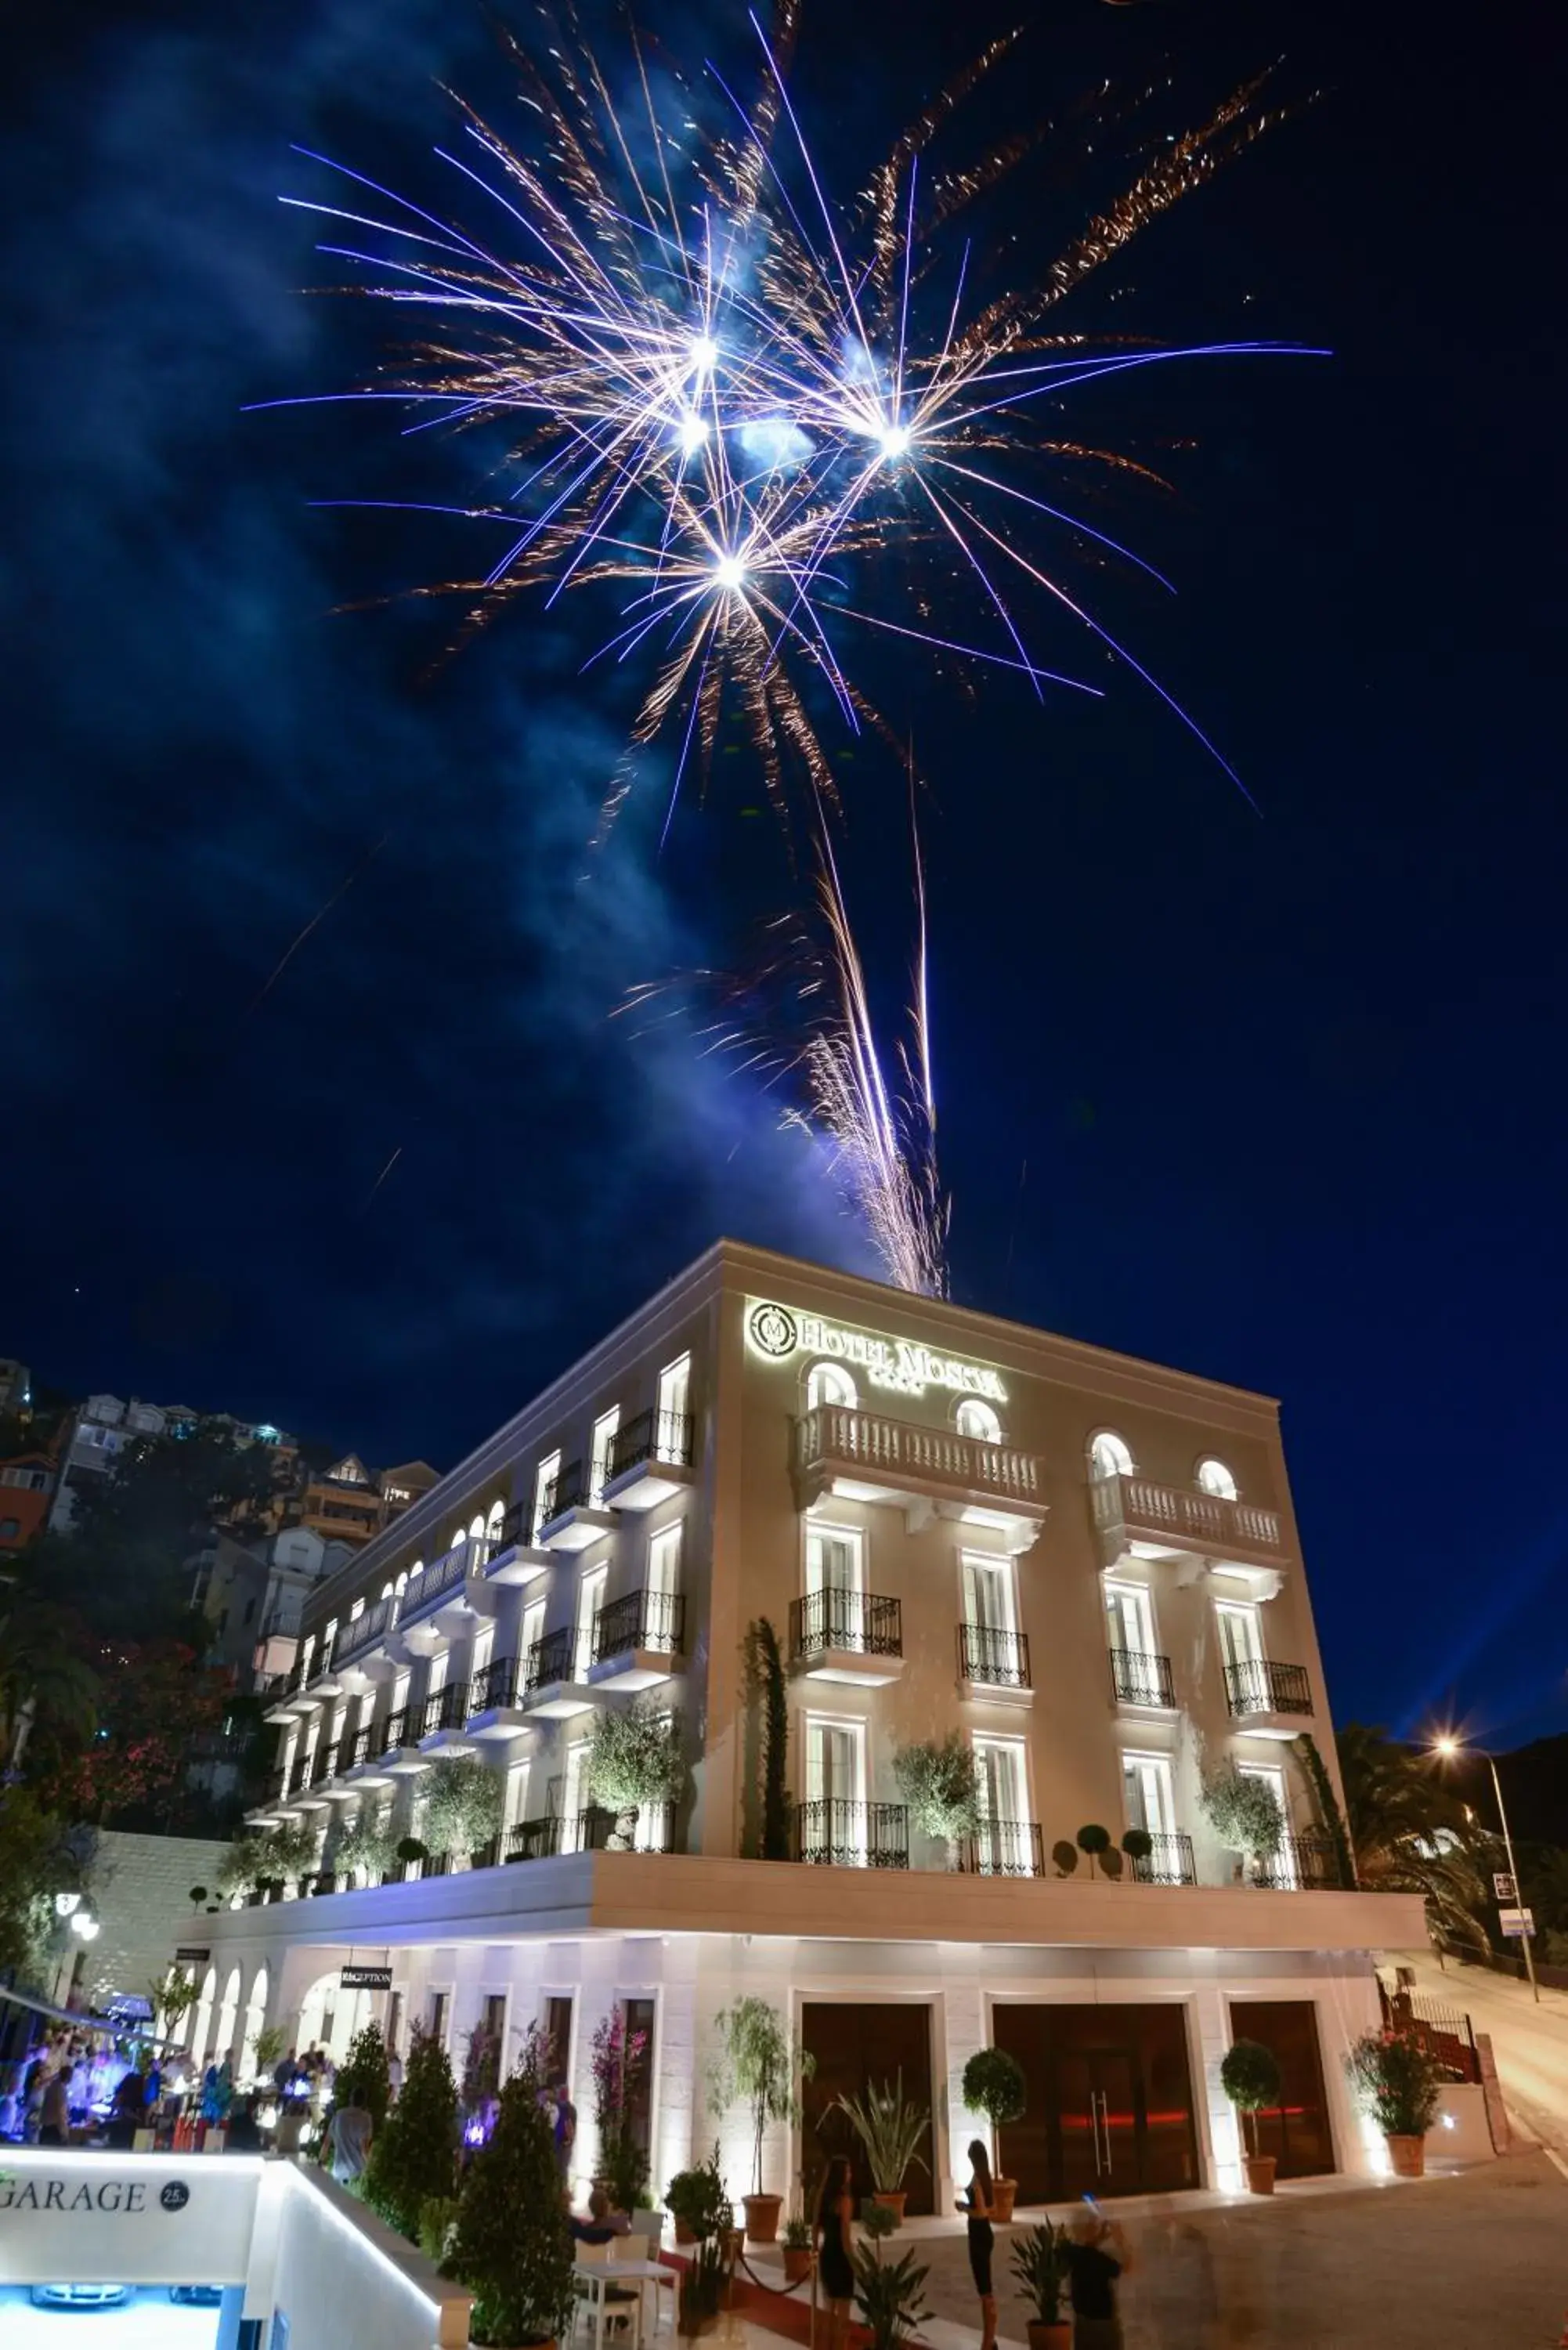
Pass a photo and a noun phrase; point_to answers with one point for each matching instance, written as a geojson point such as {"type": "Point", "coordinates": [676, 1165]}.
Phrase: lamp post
{"type": "Point", "coordinates": [1448, 1747]}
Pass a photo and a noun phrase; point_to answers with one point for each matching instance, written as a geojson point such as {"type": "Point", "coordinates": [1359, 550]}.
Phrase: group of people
{"type": "Point", "coordinates": [1095, 2254]}
{"type": "Point", "coordinates": [70, 2085]}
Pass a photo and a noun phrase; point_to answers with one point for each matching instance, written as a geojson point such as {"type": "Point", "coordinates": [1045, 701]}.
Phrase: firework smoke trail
{"type": "Point", "coordinates": [728, 407]}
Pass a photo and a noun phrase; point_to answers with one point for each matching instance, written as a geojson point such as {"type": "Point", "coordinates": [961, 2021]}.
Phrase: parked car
{"type": "Point", "coordinates": [81, 2297]}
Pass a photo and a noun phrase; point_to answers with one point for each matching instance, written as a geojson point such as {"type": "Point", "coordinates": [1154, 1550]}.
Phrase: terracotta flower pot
{"type": "Point", "coordinates": [1260, 2169]}
{"type": "Point", "coordinates": [797, 2261]}
{"type": "Point", "coordinates": [682, 2234]}
{"type": "Point", "coordinates": [763, 2217]}
{"type": "Point", "coordinates": [1056, 2336]}
{"type": "Point", "coordinates": [892, 2199]}
{"type": "Point", "coordinates": [1002, 2192]}
{"type": "Point", "coordinates": [1407, 2156]}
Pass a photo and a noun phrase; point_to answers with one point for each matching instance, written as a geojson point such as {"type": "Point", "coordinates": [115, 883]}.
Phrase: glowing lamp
{"type": "Point", "coordinates": [86, 1926]}
{"type": "Point", "coordinates": [1448, 1746]}
{"type": "Point", "coordinates": [730, 573]}
{"type": "Point", "coordinates": [65, 1903]}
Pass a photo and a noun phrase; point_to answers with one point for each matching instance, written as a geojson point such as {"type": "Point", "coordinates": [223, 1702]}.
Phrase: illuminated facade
{"type": "Point", "coordinates": [1084, 1566]}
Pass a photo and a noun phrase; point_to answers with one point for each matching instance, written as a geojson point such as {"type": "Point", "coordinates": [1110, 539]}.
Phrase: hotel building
{"type": "Point", "coordinates": [1085, 1565]}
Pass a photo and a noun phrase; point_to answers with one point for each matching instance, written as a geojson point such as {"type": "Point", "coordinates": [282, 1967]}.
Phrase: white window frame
{"type": "Point", "coordinates": [1125, 1465]}
{"type": "Point", "coordinates": [821, 1379]}
{"type": "Point", "coordinates": [674, 1400]}
{"type": "Point", "coordinates": [1119, 1589]}
{"type": "Point", "coordinates": [601, 1457]}
{"type": "Point", "coordinates": [544, 1477]}
{"type": "Point", "coordinates": [975, 1408]}
{"type": "Point", "coordinates": [984, 1741]}
{"type": "Point", "coordinates": [593, 1578]}
{"type": "Point", "coordinates": [1211, 1465]}
{"type": "Point", "coordinates": [1136, 1757]}
{"type": "Point", "coordinates": [854, 1724]}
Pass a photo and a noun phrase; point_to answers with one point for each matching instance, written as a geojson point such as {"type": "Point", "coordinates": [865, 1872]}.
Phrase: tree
{"type": "Point", "coordinates": [617, 2059]}
{"type": "Point", "coordinates": [153, 1696]}
{"type": "Point", "coordinates": [464, 1801]}
{"type": "Point", "coordinates": [125, 1566]}
{"type": "Point", "coordinates": [1245, 1812]}
{"type": "Point", "coordinates": [635, 1758]}
{"type": "Point", "coordinates": [766, 1670]}
{"type": "Point", "coordinates": [512, 2246]}
{"type": "Point", "coordinates": [1410, 1835]}
{"type": "Point", "coordinates": [362, 2077]}
{"type": "Point", "coordinates": [48, 1692]}
{"type": "Point", "coordinates": [940, 1780]}
{"type": "Point", "coordinates": [39, 1856]}
{"type": "Point", "coordinates": [412, 2159]}
{"type": "Point", "coordinates": [759, 2066]}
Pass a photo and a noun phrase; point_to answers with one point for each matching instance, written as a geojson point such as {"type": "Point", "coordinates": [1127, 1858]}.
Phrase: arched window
{"type": "Point", "coordinates": [1213, 1476]}
{"type": "Point", "coordinates": [401, 1584]}
{"type": "Point", "coordinates": [977, 1419]}
{"type": "Point", "coordinates": [387, 1591]}
{"type": "Point", "coordinates": [476, 1527]}
{"type": "Point", "coordinates": [1109, 1456]}
{"type": "Point", "coordinates": [829, 1383]}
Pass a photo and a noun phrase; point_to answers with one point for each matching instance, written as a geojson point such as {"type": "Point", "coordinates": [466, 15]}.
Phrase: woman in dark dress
{"type": "Point", "coordinates": [834, 2215]}
{"type": "Point", "coordinates": [979, 2205]}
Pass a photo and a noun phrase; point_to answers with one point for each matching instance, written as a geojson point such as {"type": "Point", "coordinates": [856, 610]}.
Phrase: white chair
{"type": "Point", "coordinates": [622, 2318]}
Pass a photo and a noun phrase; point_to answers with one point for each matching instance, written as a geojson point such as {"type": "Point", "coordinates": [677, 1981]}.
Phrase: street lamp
{"type": "Point", "coordinates": [1448, 1746]}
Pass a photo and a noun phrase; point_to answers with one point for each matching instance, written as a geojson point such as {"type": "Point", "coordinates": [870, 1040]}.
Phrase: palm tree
{"type": "Point", "coordinates": [1411, 1836]}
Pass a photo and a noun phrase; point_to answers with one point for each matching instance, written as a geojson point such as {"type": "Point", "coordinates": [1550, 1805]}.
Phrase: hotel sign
{"type": "Point", "coordinates": [777, 1332]}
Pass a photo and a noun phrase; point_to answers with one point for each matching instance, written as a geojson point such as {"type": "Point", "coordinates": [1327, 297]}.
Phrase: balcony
{"type": "Point", "coordinates": [1134, 1516]}
{"type": "Point", "coordinates": [649, 1460]}
{"type": "Point", "coordinates": [994, 1664]}
{"type": "Point", "coordinates": [637, 1640]}
{"type": "Point", "coordinates": [495, 1701]}
{"type": "Point", "coordinates": [443, 1719]}
{"type": "Point", "coordinates": [1305, 1862]}
{"type": "Point", "coordinates": [444, 1596]}
{"type": "Point", "coordinates": [548, 1688]}
{"type": "Point", "coordinates": [835, 1833]}
{"type": "Point", "coordinates": [864, 1456]}
{"type": "Point", "coordinates": [511, 1558]}
{"type": "Point", "coordinates": [318, 1768]}
{"type": "Point", "coordinates": [597, 1829]}
{"type": "Point", "coordinates": [1142, 1680]}
{"type": "Point", "coordinates": [855, 1637]}
{"type": "Point", "coordinates": [1168, 1862]}
{"type": "Point", "coordinates": [364, 1766]}
{"type": "Point", "coordinates": [1269, 1701]}
{"type": "Point", "coordinates": [1005, 1848]}
{"type": "Point", "coordinates": [399, 1754]}
{"type": "Point", "coordinates": [568, 1517]}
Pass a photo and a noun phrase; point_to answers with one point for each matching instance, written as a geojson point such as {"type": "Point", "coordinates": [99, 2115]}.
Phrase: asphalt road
{"type": "Point", "coordinates": [1530, 2042]}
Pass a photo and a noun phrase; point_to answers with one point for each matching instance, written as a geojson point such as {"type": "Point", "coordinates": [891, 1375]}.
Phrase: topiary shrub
{"type": "Point", "coordinates": [414, 2157]}
{"type": "Point", "coordinates": [995, 2085]}
{"type": "Point", "coordinates": [1137, 1843]}
{"type": "Point", "coordinates": [512, 2246]}
{"type": "Point", "coordinates": [1094, 1840]}
{"type": "Point", "coordinates": [362, 2077]}
{"type": "Point", "coordinates": [633, 1758]}
{"type": "Point", "coordinates": [1065, 1856]}
{"type": "Point", "coordinates": [1250, 2076]}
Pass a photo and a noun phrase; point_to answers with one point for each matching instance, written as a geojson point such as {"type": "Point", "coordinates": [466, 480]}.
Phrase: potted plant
{"type": "Point", "coordinates": [366, 1850]}
{"type": "Point", "coordinates": [940, 1780]}
{"type": "Point", "coordinates": [798, 2255]}
{"type": "Point", "coordinates": [890, 2130]}
{"type": "Point", "coordinates": [699, 2203]}
{"type": "Point", "coordinates": [891, 2297]}
{"type": "Point", "coordinates": [1095, 1841]}
{"type": "Point", "coordinates": [1250, 2076]}
{"type": "Point", "coordinates": [510, 2244]}
{"type": "Point", "coordinates": [1244, 1813]}
{"type": "Point", "coordinates": [1138, 1845]}
{"type": "Point", "coordinates": [412, 2159]}
{"type": "Point", "coordinates": [1401, 2086]}
{"type": "Point", "coordinates": [759, 2066]}
{"type": "Point", "coordinates": [464, 1800]}
{"type": "Point", "coordinates": [995, 2085]}
{"type": "Point", "coordinates": [1040, 2269]}
{"type": "Point", "coordinates": [622, 2168]}
{"type": "Point", "coordinates": [633, 1758]}
{"type": "Point", "coordinates": [702, 2288]}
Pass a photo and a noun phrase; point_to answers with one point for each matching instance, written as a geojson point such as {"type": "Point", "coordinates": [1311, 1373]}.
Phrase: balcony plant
{"type": "Point", "coordinates": [940, 1780]}
{"type": "Point", "coordinates": [1244, 1813]}
{"type": "Point", "coordinates": [366, 1850]}
{"type": "Point", "coordinates": [1094, 1842]}
{"type": "Point", "coordinates": [699, 2203]}
{"type": "Point", "coordinates": [617, 2056]}
{"type": "Point", "coordinates": [633, 1758]}
{"type": "Point", "coordinates": [759, 2065]}
{"type": "Point", "coordinates": [1039, 2270]}
{"type": "Point", "coordinates": [890, 2126]}
{"type": "Point", "coordinates": [511, 2245]}
{"type": "Point", "coordinates": [414, 2157]}
{"type": "Point", "coordinates": [1063, 1857]}
{"type": "Point", "coordinates": [1139, 1845]}
{"type": "Point", "coordinates": [798, 2255]}
{"type": "Point", "coordinates": [1401, 2086]}
{"type": "Point", "coordinates": [1250, 2076]}
{"type": "Point", "coordinates": [890, 2296]}
{"type": "Point", "coordinates": [765, 1689]}
{"type": "Point", "coordinates": [464, 1800]}
{"type": "Point", "coordinates": [995, 2085]}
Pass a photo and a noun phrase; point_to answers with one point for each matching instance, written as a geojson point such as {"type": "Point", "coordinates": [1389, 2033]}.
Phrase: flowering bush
{"type": "Point", "coordinates": [1398, 2083]}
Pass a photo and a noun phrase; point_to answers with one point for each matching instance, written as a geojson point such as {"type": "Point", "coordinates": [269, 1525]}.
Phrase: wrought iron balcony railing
{"type": "Point", "coordinates": [363, 1747]}
{"type": "Point", "coordinates": [322, 1767]}
{"type": "Point", "coordinates": [446, 1710]}
{"type": "Point", "coordinates": [1258, 1685]}
{"type": "Point", "coordinates": [594, 1829]}
{"type": "Point", "coordinates": [1142, 1678]}
{"type": "Point", "coordinates": [394, 1732]}
{"type": "Point", "coordinates": [999, 1660]}
{"type": "Point", "coordinates": [434, 1582]}
{"type": "Point", "coordinates": [496, 1686]}
{"type": "Point", "coordinates": [841, 1833]}
{"type": "Point", "coordinates": [642, 1619]}
{"type": "Point", "coordinates": [365, 1630]}
{"type": "Point", "coordinates": [1305, 1862]}
{"type": "Point", "coordinates": [1005, 1848]}
{"type": "Point", "coordinates": [862, 1623]}
{"type": "Point", "coordinates": [567, 1490]}
{"type": "Point", "coordinates": [1169, 1861]}
{"type": "Point", "coordinates": [549, 1660]}
{"type": "Point", "coordinates": [652, 1436]}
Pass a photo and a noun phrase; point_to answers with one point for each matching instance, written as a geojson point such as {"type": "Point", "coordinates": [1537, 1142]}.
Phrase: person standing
{"type": "Point", "coordinates": [394, 2076]}
{"type": "Point", "coordinates": [1097, 2256]}
{"type": "Point", "coordinates": [835, 2217]}
{"type": "Point", "coordinates": [348, 2143]}
{"type": "Point", "coordinates": [980, 2204]}
{"type": "Point", "coordinates": [55, 2113]}
{"type": "Point", "coordinates": [565, 2131]}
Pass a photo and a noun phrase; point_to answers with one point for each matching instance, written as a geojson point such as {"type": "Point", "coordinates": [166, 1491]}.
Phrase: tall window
{"type": "Point", "coordinates": [976, 1420]}
{"type": "Point", "coordinates": [607, 1427]}
{"type": "Point", "coordinates": [1109, 1456]}
{"type": "Point", "coordinates": [1003, 1802]}
{"type": "Point", "coordinates": [495, 1524]}
{"type": "Point", "coordinates": [590, 1599]}
{"type": "Point", "coordinates": [532, 1632]}
{"type": "Point", "coordinates": [829, 1383]}
{"type": "Point", "coordinates": [836, 1764]}
{"type": "Point", "coordinates": [1281, 1865]}
{"type": "Point", "coordinates": [1130, 1618]}
{"type": "Point", "coordinates": [439, 2012]}
{"type": "Point", "coordinates": [1240, 1634]}
{"type": "Point", "coordinates": [1147, 1796]}
{"type": "Point", "coordinates": [1213, 1476]}
{"type": "Point", "coordinates": [663, 1580]}
{"type": "Point", "coordinates": [674, 1410]}
{"type": "Point", "coordinates": [544, 1478]}
{"type": "Point", "coordinates": [836, 1582]}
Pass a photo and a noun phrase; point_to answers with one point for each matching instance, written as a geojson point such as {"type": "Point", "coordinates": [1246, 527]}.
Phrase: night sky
{"type": "Point", "coordinates": [1286, 1083]}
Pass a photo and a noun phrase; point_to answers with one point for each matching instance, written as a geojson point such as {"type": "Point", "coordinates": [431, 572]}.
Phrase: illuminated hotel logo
{"type": "Point", "coordinates": [776, 1332]}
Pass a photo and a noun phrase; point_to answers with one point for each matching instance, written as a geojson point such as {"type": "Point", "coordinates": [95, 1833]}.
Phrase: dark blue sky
{"type": "Point", "coordinates": [1286, 1084]}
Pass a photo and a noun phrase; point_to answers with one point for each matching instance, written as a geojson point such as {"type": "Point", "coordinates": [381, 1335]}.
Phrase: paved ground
{"type": "Point", "coordinates": [1530, 2042]}
{"type": "Point", "coordinates": [1474, 2260]}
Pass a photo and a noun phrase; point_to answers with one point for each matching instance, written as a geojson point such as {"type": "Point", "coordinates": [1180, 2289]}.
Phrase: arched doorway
{"type": "Point", "coordinates": [223, 2044]}
{"type": "Point", "coordinates": [204, 2023]}
{"type": "Point", "coordinates": [330, 2015]}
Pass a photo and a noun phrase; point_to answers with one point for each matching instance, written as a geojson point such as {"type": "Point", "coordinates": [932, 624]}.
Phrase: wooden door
{"type": "Point", "coordinates": [1110, 2100]}
{"type": "Point", "coordinates": [1298, 2135]}
{"type": "Point", "coordinates": [855, 2045]}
